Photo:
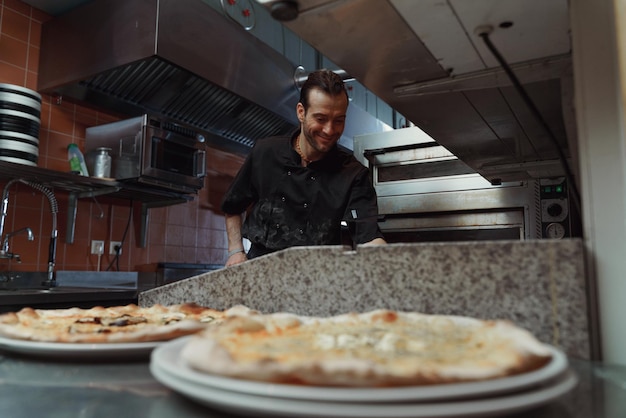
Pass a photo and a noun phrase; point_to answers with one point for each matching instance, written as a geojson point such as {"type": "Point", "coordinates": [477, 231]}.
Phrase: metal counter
{"type": "Point", "coordinates": [65, 297]}
{"type": "Point", "coordinates": [31, 387]}
{"type": "Point", "coordinates": [72, 288]}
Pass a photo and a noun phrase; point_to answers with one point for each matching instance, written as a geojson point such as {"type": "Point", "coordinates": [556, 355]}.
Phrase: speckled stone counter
{"type": "Point", "coordinates": [539, 284]}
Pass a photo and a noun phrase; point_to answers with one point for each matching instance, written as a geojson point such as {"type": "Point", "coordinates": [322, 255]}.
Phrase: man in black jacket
{"type": "Point", "coordinates": [298, 188]}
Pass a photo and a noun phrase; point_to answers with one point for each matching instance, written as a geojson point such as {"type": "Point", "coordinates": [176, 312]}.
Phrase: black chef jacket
{"type": "Point", "coordinates": [294, 205]}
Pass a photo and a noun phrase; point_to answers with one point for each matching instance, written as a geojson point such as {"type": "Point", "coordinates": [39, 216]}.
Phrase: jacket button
{"type": "Point", "coordinates": [288, 173]}
{"type": "Point", "coordinates": [301, 231]}
{"type": "Point", "coordinates": [277, 226]}
{"type": "Point", "coordinates": [306, 205]}
{"type": "Point", "coordinates": [313, 178]}
{"type": "Point", "coordinates": [283, 198]}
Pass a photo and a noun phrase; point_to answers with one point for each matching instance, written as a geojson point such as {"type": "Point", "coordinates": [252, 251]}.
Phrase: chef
{"type": "Point", "coordinates": [296, 189]}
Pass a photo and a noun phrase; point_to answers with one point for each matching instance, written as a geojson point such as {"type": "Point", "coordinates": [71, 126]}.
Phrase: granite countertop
{"type": "Point", "coordinates": [538, 284]}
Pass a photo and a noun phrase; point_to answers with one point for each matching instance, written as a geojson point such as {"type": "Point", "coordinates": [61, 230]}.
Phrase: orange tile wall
{"type": "Point", "coordinates": [186, 233]}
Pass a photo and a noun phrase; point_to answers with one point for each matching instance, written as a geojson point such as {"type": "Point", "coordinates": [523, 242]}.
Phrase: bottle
{"type": "Point", "coordinates": [77, 160]}
{"type": "Point", "coordinates": [102, 166]}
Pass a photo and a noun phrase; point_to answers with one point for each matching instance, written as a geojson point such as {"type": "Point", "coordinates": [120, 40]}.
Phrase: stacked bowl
{"type": "Point", "coordinates": [20, 119]}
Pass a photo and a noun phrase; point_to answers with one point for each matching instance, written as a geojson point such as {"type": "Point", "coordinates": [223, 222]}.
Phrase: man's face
{"type": "Point", "coordinates": [323, 122]}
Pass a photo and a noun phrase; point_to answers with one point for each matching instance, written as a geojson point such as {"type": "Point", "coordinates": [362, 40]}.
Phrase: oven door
{"type": "Point", "coordinates": [173, 159]}
{"type": "Point", "coordinates": [500, 224]}
{"type": "Point", "coordinates": [427, 194]}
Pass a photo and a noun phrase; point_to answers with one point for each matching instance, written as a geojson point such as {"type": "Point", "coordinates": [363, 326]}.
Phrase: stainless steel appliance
{"type": "Point", "coordinates": [151, 150]}
{"type": "Point", "coordinates": [178, 59]}
{"type": "Point", "coordinates": [427, 61]}
{"type": "Point", "coordinates": [425, 193]}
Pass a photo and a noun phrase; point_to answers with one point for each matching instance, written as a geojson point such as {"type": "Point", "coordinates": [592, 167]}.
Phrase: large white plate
{"type": "Point", "coordinates": [70, 351]}
{"type": "Point", "coordinates": [268, 406]}
{"type": "Point", "coordinates": [18, 161]}
{"type": "Point", "coordinates": [167, 358]}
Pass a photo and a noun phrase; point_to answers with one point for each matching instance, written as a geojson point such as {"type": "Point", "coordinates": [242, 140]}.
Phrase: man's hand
{"type": "Point", "coordinates": [236, 255]}
{"type": "Point", "coordinates": [237, 258]}
{"type": "Point", "coordinates": [375, 241]}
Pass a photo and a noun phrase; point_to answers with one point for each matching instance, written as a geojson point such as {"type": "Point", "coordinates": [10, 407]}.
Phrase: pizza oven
{"type": "Point", "coordinates": [425, 194]}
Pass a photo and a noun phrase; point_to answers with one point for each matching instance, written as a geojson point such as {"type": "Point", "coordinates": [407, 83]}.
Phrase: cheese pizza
{"type": "Point", "coordinates": [377, 348]}
{"type": "Point", "coordinates": [129, 323]}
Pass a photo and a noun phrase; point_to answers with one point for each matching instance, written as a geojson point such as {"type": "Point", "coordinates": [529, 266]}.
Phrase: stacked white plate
{"type": "Point", "coordinates": [476, 399]}
{"type": "Point", "coordinates": [20, 120]}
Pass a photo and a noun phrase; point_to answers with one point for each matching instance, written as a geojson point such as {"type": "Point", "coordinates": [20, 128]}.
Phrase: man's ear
{"type": "Point", "coordinates": [300, 112]}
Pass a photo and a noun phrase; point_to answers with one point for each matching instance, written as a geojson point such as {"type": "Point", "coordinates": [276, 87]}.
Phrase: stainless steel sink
{"type": "Point", "coordinates": [36, 282]}
{"type": "Point", "coordinates": [35, 291]}
{"type": "Point", "coordinates": [17, 280]}
{"type": "Point", "coordinates": [54, 290]}
{"type": "Point", "coordinates": [83, 289]}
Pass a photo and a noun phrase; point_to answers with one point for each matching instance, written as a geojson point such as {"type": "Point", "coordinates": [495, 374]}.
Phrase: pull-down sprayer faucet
{"type": "Point", "coordinates": [50, 281]}
{"type": "Point", "coordinates": [4, 251]}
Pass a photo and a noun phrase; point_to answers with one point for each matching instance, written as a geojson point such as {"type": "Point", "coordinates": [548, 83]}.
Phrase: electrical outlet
{"type": "Point", "coordinates": [112, 246]}
{"type": "Point", "coordinates": [97, 247]}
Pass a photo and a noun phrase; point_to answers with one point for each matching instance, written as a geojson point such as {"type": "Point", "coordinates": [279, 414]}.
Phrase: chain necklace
{"type": "Point", "coordinates": [301, 154]}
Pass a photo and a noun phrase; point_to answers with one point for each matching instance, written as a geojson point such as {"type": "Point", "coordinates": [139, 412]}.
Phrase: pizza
{"type": "Point", "coordinates": [372, 349]}
{"type": "Point", "coordinates": [128, 323]}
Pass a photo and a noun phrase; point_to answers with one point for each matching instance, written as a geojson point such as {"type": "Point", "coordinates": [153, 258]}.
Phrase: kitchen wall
{"type": "Point", "coordinates": [187, 233]}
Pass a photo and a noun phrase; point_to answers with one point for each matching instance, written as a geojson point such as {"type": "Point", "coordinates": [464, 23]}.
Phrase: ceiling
{"type": "Point", "coordinates": [55, 7]}
{"type": "Point", "coordinates": [426, 61]}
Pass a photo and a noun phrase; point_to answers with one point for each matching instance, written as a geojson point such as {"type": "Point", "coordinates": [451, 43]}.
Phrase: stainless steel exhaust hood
{"type": "Point", "coordinates": [176, 58]}
{"type": "Point", "coordinates": [425, 60]}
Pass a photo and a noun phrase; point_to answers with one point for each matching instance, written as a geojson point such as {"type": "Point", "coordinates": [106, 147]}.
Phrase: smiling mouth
{"type": "Point", "coordinates": [326, 138]}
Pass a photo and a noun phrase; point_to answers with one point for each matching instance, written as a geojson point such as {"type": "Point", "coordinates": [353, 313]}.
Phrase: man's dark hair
{"type": "Point", "coordinates": [325, 80]}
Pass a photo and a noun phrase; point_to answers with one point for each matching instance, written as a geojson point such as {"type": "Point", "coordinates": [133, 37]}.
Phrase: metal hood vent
{"type": "Point", "coordinates": [139, 87]}
{"type": "Point", "coordinates": [425, 60]}
{"type": "Point", "coordinates": [176, 58]}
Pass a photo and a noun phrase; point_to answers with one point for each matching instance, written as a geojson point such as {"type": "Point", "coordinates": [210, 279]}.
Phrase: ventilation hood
{"type": "Point", "coordinates": [176, 58]}
{"type": "Point", "coordinates": [425, 60]}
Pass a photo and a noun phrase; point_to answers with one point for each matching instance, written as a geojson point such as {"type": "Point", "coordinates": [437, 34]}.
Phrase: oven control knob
{"type": "Point", "coordinates": [554, 209]}
{"type": "Point", "coordinates": [555, 231]}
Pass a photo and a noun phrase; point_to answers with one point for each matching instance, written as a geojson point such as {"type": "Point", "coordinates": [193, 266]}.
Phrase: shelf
{"type": "Point", "coordinates": [80, 187]}
{"type": "Point", "coordinates": [90, 186]}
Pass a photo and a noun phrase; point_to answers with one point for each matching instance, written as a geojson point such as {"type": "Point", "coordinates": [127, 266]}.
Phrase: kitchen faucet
{"type": "Point", "coordinates": [4, 251]}
{"type": "Point", "coordinates": [50, 281]}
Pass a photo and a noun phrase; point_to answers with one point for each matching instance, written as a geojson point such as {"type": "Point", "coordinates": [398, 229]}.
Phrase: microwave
{"type": "Point", "coordinates": [151, 150]}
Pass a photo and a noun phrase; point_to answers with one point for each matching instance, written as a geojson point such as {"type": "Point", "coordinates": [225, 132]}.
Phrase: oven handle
{"type": "Point", "coordinates": [200, 163]}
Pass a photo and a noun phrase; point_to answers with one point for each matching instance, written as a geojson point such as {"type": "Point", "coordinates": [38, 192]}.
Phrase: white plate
{"type": "Point", "coordinates": [19, 146]}
{"type": "Point", "coordinates": [269, 406]}
{"type": "Point", "coordinates": [70, 351]}
{"type": "Point", "coordinates": [167, 358]}
{"type": "Point", "coordinates": [18, 161]}
{"type": "Point", "coordinates": [19, 136]}
{"type": "Point", "coordinates": [18, 114]}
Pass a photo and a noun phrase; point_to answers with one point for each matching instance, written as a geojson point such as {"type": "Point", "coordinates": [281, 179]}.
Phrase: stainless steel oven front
{"type": "Point", "coordinates": [152, 150]}
{"type": "Point", "coordinates": [426, 194]}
